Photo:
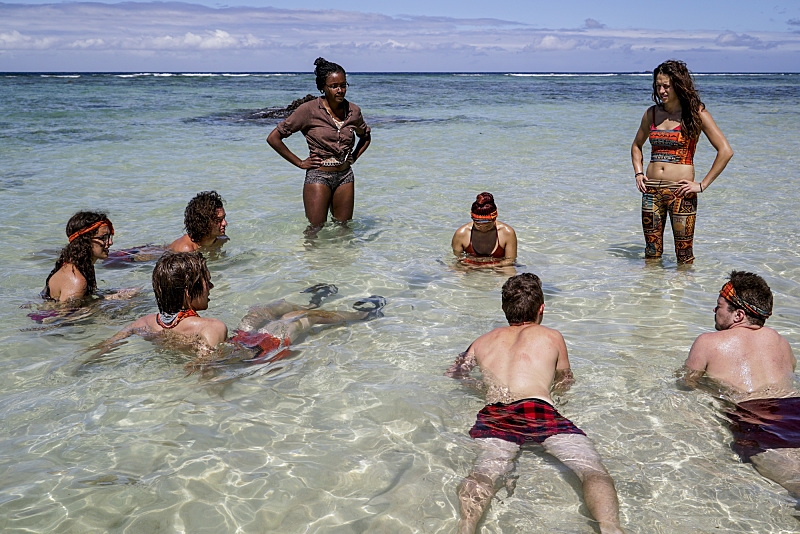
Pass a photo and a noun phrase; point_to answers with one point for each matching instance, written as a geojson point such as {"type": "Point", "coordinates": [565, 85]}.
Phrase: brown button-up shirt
{"type": "Point", "coordinates": [324, 138]}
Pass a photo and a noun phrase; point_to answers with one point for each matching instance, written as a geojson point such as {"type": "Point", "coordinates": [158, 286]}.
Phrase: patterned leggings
{"type": "Point", "coordinates": [656, 203]}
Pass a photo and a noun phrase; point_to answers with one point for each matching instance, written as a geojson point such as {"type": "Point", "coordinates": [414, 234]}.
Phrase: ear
{"type": "Point", "coordinates": [186, 299]}
{"type": "Point", "coordinates": [739, 316]}
{"type": "Point", "coordinates": [540, 314]}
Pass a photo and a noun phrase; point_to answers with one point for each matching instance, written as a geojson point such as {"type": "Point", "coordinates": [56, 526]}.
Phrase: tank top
{"type": "Point", "coordinates": [670, 146]}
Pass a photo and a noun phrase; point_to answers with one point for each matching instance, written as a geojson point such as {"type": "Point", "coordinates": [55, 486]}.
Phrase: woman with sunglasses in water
{"type": "Point", "coordinates": [90, 235]}
{"type": "Point", "coordinates": [330, 124]}
{"type": "Point", "coordinates": [485, 242]}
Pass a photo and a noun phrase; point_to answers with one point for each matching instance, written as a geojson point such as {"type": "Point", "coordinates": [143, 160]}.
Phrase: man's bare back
{"type": "Point", "coordinates": [752, 361]}
{"type": "Point", "coordinates": [519, 362]}
{"type": "Point", "coordinates": [203, 332]}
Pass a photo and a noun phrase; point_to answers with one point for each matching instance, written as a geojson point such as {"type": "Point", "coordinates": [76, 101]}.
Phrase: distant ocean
{"type": "Point", "coordinates": [358, 431]}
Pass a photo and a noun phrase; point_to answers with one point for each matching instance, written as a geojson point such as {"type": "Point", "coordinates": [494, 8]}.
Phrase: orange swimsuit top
{"type": "Point", "coordinates": [670, 146]}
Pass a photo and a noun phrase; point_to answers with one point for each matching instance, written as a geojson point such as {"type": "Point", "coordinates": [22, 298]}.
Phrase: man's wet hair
{"type": "Point", "coordinates": [200, 213]}
{"type": "Point", "coordinates": [754, 290]}
{"type": "Point", "coordinates": [177, 274]}
{"type": "Point", "coordinates": [522, 298]}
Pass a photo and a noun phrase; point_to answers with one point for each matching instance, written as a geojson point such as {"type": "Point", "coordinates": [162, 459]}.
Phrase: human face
{"type": "Point", "coordinates": [335, 87]}
{"type": "Point", "coordinates": [665, 90]}
{"type": "Point", "coordinates": [200, 302]}
{"type": "Point", "coordinates": [723, 314]}
{"type": "Point", "coordinates": [101, 242]}
{"type": "Point", "coordinates": [483, 226]}
{"type": "Point", "coordinates": [219, 223]}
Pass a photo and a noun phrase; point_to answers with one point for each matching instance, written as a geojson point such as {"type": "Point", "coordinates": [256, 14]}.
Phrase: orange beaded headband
{"type": "Point", "coordinates": [484, 218]}
{"type": "Point", "coordinates": [729, 294]}
{"type": "Point", "coordinates": [92, 228]}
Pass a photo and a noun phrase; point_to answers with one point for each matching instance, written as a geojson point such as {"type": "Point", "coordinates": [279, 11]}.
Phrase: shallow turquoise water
{"type": "Point", "coordinates": [359, 431]}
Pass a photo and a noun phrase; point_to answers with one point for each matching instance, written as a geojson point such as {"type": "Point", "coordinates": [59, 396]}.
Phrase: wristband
{"type": "Point", "coordinates": [701, 187]}
{"type": "Point", "coordinates": [637, 174]}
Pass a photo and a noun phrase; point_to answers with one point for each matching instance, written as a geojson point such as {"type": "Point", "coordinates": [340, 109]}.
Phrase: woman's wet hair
{"type": "Point", "coordinates": [683, 84]}
{"type": "Point", "coordinates": [484, 205]}
{"type": "Point", "coordinates": [176, 275]}
{"type": "Point", "coordinates": [754, 290]}
{"type": "Point", "coordinates": [79, 251]}
{"type": "Point", "coordinates": [522, 298]}
{"type": "Point", "coordinates": [323, 69]}
{"type": "Point", "coordinates": [200, 213]}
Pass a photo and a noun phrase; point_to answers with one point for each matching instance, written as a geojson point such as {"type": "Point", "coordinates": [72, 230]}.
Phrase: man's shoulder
{"type": "Point", "coordinates": [712, 343]}
{"type": "Point", "coordinates": [211, 329]}
{"type": "Point", "coordinates": [738, 342]}
{"type": "Point", "coordinates": [527, 333]}
{"type": "Point", "coordinates": [538, 330]}
{"type": "Point", "coordinates": [183, 244]}
{"type": "Point", "coordinates": [143, 323]}
{"type": "Point", "coordinates": [203, 322]}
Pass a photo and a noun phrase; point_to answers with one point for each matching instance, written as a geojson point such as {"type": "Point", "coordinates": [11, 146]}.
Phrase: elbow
{"type": "Point", "coordinates": [726, 153]}
{"type": "Point", "coordinates": [274, 138]}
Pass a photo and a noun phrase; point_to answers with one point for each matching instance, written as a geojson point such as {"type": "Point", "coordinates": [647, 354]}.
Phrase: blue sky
{"type": "Point", "coordinates": [413, 35]}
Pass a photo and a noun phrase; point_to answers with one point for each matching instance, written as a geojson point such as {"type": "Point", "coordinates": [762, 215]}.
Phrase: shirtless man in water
{"type": "Point", "coordinates": [182, 285]}
{"type": "Point", "coordinates": [521, 364]}
{"type": "Point", "coordinates": [755, 367]}
{"type": "Point", "coordinates": [204, 219]}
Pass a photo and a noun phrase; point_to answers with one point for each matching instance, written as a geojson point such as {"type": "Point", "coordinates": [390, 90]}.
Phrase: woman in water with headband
{"type": "Point", "coordinates": [330, 124]}
{"type": "Point", "coordinates": [90, 235]}
{"type": "Point", "coordinates": [485, 242]}
{"type": "Point", "coordinates": [673, 127]}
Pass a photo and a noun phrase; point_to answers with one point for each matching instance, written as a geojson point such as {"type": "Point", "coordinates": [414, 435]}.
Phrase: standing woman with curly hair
{"type": "Point", "coordinates": [673, 127]}
{"type": "Point", "coordinates": [90, 235]}
{"type": "Point", "coordinates": [330, 125]}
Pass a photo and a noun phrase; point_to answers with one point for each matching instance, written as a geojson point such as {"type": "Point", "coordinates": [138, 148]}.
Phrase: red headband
{"type": "Point", "coordinates": [95, 226]}
{"type": "Point", "coordinates": [729, 294]}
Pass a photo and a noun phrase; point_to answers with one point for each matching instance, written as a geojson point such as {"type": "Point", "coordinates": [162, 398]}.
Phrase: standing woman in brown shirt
{"type": "Point", "coordinates": [330, 125]}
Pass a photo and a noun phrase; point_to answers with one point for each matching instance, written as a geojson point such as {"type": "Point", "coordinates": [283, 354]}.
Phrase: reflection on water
{"type": "Point", "coordinates": [358, 431]}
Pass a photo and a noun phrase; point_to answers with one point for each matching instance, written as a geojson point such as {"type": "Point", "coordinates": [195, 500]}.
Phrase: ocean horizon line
{"type": "Point", "coordinates": [372, 73]}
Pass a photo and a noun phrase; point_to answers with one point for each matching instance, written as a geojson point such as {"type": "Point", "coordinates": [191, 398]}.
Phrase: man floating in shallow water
{"type": "Point", "coordinates": [182, 285]}
{"type": "Point", "coordinates": [204, 219]}
{"type": "Point", "coordinates": [755, 365]}
{"type": "Point", "coordinates": [521, 363]}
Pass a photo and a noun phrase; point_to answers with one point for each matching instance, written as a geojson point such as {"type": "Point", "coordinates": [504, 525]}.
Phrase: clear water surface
{"type": "Point", "coordinates": [359, 431]}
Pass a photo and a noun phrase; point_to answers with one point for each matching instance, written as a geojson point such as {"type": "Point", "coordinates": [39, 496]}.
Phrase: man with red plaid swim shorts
{"type": "Point", "coordinates": [521, 363]}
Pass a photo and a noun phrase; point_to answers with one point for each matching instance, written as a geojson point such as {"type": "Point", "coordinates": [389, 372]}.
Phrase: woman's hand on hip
{"type": "Point", "coordinates": [640, 180]}
{"type": "Point", "coordinates": [687, 187]}
{"type": "Point", "coordinates": [311, 162]}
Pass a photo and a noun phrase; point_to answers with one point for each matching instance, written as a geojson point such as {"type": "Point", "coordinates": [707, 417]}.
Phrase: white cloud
{"type": "Point", "coordinates": [208, 40]}
{"type": "Point", "coordinates": [741, 39]}
{"type": "Point", "coordinates": [552, 42]}
{"type": "Point", "coordinates": [14, 40]}
{"type": "Point", "coordinates": [188, 36]}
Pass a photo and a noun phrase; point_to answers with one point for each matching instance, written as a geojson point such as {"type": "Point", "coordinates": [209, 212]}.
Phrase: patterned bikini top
{"type": "Point", "coordinates": [670, 146]}
{"type": "Point", "coordinates": [171, 320]}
